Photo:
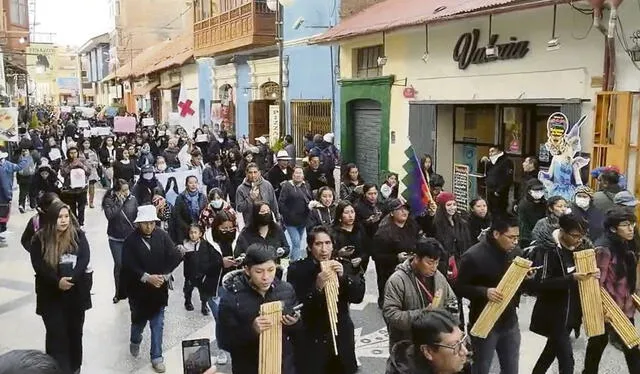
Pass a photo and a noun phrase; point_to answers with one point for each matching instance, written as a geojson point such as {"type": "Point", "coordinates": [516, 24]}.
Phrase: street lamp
{"type": "Point", "coordinates": [276, 6]}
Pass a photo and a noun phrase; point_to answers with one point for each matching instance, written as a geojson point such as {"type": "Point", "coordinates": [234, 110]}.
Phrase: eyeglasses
{"type": "Point", "coordinates": [626, 225]}
{"type": "Point", "coordinates": [576, 236]}
{"type": "Point", "coordinates": [513, 238]}
{"type": "Point", "coordinates": [457, 347]}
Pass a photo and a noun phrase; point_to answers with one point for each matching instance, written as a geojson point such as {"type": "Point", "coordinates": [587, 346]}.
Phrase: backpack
{"type": "Point", "coordinates": [28, 170]}
{"type": "Point", "coordinates": [327, 161]}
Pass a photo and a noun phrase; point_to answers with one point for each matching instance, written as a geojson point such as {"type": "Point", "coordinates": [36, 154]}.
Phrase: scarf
{"type": "Point", "coordinates": [193, 198]}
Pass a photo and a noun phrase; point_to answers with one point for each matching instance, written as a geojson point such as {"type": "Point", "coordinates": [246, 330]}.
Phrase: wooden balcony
{"type": "Point", "coordinates": [248, 26]}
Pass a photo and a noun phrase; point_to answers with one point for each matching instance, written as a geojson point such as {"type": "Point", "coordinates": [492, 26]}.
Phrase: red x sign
{"type": "Point", "coordinates": [185, 108]}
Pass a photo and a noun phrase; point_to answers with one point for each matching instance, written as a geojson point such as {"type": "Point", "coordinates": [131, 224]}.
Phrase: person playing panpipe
{"type": "Point", "coordinates": [556, 288]}
{"type": "Point", "coordinates": [311, 285]}
{"type": "Point", "coordinates": [240, 322]}
{"type": "Point", "coordinates": [482, 267]}
{"type": "Point", "coordinates": [416, 287]}
{"type": "Point", "coordinates": [617, 263]}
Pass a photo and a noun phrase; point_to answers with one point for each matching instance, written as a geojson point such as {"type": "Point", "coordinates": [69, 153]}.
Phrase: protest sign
{"type": "Point", "coordinates": [125, 125]}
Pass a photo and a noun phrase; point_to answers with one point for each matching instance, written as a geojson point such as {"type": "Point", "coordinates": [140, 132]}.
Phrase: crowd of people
{"type": "Point", "coordinates": [257, 225]}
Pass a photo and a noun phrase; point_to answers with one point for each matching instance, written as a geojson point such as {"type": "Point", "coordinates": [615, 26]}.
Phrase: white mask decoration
{"type": "Point", "coordinates": [147, 176]}
{"type": "Point", "coordinates": [536, 194]}
{"type": "Point", "coordinates": [494, 158]}
{"type": "Point", "coordinates": [217, 204]}
{"type": "Point", "coordinates": [162, 167]}
{"type": "Point", "coordinates": [583, 202]}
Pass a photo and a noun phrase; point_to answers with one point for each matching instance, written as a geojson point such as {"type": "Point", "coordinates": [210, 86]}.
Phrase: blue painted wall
{"type": "Point", "coordinates": [205, 94]}
{"type": "Point", "coordinates": [242, 100]}
{"type": "Point", "coordinates": [311, 66]}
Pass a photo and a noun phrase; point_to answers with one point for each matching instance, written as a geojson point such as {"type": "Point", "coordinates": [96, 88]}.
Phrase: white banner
{"type": "Point", "coordinates": [174, 183]}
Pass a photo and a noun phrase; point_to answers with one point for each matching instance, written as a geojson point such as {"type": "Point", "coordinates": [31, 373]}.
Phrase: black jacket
{"type": "Point", "coordinates": [30, 231]}
{"type": "Point", "coordinates": [293, 203]}
{"type": "Point", "coordinates": [317, 332]}
{"type": "Point", "coordinates": [210, 266]}
{"type": "Point", "coordinates": [181, 217]}
{"type": "Point", "coordinates": [356, 237]}
{"type": "Point", "coordinates": [143, 190]}
{"type": "Point", "coordinates": [120, 215]}
{"type": "Point", "coordinates": [320, 215]}
{"type": "Point", "coordinates": [239, 307]}
{"type": "Point", "coordinates": [275, 176]}
{"type": "Point", "coordinates": [556, 290]}
{"type": "Point", "coordinates": [138, 259]}
{"type": "Point", "coordinates": [403, 360]}
{"type": "Point", "coordinates": [499, 176]}
{"type": "Point", "coordinates": [529, 213]}
{"type": "Point", "coordinates": [48, 294]}
{"type": "Point", "coordinates": [249, 235]}
{"type": "Point", "coordinates": [482, 267]}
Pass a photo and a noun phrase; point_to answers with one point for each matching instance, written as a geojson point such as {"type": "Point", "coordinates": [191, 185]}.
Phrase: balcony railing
{"type": "Point", "coordinates": [248, 26]}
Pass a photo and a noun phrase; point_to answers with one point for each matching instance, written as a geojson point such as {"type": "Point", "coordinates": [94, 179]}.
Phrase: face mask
{"type": "Point", "coordinates": [451, 210]}
{"type": "Point", "coordinates": [536, 194]}
{"type": "Point", "coordinates": [162, 167]}
{"type": "Point", "coordinates": [234, 168]}
{"type": "Point", "coordinates": [147, 176]}
{"type": "Point", "coordinates": [227, 236]}
{"type": "Point", "coordinates": [217, 204]}
{"type": "Point", "coordinates": [494, 158]}
{"type": "Point", "coordinates": [583, 202]}
{"type": "Point", "coordinates": [264, 219]}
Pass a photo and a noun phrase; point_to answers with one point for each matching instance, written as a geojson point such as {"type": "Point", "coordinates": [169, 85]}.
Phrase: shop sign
{"type": "Point", "coordinates": [467, 51]}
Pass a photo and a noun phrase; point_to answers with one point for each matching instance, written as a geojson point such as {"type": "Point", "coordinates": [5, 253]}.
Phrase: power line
{"type": "Point", "coordinates": [178, 17]}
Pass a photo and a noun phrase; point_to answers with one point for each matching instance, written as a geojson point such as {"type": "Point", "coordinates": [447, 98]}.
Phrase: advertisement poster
{"type": "Point", "coordinates": [274, 124]}
{"type": "Point", "coordinates": [9, 124]}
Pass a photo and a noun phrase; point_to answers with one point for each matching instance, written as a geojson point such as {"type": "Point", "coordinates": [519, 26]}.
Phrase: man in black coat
{"type": "Point", "coordinates": [499, 177]}
{"type": "Point", "coordinates": [309, 282]}
{"type": "Point", "coordinates": [240, 323]}
{"type": "Point", "coordinates": [148, 258]}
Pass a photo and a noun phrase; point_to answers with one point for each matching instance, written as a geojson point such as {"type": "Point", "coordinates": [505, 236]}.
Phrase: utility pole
{"type": "Point", "coordinates": [280, 42]}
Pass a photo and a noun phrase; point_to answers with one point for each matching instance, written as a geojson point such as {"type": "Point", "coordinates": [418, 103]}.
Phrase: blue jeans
{"type": "Point", "coordinates": [156, 324]}
{"type": "Point", "coordinates": [214, 305]}
{"type": "Point", "coordinates": [503, 341]}
{"type": "Point", "coordinates": [296, 234]}
{"type": "Point", "coordinates": [116, 253]}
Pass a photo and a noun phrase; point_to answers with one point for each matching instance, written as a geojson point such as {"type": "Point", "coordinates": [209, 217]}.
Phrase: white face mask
{"type": "Point", "coordinates": [217, 204]}
{"type": "Point", "coordinates": [494, 158]}
{"type": "Point", "coordinates": [147, 176]}
{"type": "Point", "coordinates": [536, 194]}
{"type": "Point", "coordinates": [583, 202]}
{"type": "Point", "coordinates": [162, 167]}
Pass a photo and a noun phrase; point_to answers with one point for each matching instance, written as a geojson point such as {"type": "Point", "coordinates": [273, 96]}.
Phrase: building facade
{"type": "Point", "coordinates": [432, 87]}
{"type": "Point", "coordinates": [14, 40]}
{"type": "Point", "coordinates": [94, 67]}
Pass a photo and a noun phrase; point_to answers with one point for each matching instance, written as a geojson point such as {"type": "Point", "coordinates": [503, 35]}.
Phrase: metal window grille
{"type": "Point", "coordinates": [367, 61]}
{"type": "Point", "coordinates": [309, 116]}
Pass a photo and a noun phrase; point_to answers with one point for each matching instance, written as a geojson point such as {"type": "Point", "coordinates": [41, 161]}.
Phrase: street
{"type": "Point", "coordinates": [106, 348]}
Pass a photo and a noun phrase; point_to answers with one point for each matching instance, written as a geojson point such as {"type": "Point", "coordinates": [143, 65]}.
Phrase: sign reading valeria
{"type": "Point", "coordinates": [467, 52]}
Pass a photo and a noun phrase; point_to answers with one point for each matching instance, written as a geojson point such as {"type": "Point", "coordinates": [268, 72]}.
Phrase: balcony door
{"type": "Point", "coordinates": [259, 118]}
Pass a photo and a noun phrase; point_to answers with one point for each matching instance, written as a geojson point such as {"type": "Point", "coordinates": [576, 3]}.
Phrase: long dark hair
{"type": "Point", "coordinates": [346, 179]}
{"type": "Point", "coordinates": [53, 243]}
{"type": "Point", "coordinates": [342, 205]}
{"type": "Point", "coordinates": [255, 213]}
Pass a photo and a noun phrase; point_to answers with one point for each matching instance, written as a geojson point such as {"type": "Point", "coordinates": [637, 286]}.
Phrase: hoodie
{"type": "Point", "coordinates": [403, 360]}
{"type": "Point", "coordinates": [244, 202]}
{"type": "Point", "coordinates": [320, 215]}
{"type": "Point", "coordinates": [529, 212]}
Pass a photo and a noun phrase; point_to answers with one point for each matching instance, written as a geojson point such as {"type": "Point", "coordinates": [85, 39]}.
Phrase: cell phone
{"type": "Point", "coordinates": [196, 356]}
{"type": "Point", "coordinates": [536, 267]}
{"type": "Point", "coordinates": [295, 310]}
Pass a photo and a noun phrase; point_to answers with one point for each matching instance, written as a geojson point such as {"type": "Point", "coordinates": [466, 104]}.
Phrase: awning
{"type": "Point", "coordinates": [109, 77]}
{"type": "Point", "coordinates": [174, 52]}
{"type": "Point", "coordinates": [144, 90]}
{"type": "Point", "coordinates": [395, 14]}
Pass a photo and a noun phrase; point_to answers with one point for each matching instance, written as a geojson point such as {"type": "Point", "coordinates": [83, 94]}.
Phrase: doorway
{"type": "Point", "coordinates": [367, 119]}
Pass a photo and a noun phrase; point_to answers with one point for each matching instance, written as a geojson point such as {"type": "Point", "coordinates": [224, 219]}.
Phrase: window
{"type": "Point", "coordinates": [19, 12]}
{"type": "Point", "coordinates": [367, 62]}
{"type": "Point", "coordinates": [203, 10]}
{"type": "Point", "coordinates": [475, 124]}
{"type": "Point", "coordinates": [175, 96]}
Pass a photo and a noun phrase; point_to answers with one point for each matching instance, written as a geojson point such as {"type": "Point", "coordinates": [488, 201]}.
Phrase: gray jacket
{"type": "Point", "coordinates": [244, 202]}
{"type": "Point", "coordinates": [403, 301]}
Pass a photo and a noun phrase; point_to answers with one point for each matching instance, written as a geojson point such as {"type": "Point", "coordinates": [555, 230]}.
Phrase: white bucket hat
{"type": "Point", "coordinates": [283, 156]}
{"type": "Point", "coordinates": [262, 139]}
{"type": "Point", "coordinates": [146, 213]}
{"type": "Point", "coordinates": [3, 155]}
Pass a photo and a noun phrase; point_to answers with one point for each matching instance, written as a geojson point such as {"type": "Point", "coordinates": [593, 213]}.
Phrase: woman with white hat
{"type": "Point", "coordinates": [280, 172]}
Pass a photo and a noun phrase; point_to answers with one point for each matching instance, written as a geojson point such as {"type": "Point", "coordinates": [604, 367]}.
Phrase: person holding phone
{"type": "Point", "coordinates": [556, 288]}
{"type": "Point", "coordinates": [240, 322]}
{"type": "Point", "coordinates": [60, 257]}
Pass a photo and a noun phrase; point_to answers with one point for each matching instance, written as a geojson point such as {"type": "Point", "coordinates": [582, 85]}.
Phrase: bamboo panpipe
{"type": "Point", "coordinates": [437, 299]}
{"type": "Point", "coordinates": [619, 321]}
{"type": "Point", "coordinates": [590, 298]}
{"type": "Point", "coordinates": [331, 291]}
{"type": "Point", "coordinates": [508, 287]}
{"type": "Point", "coordinates": [636, 301]}
{"type": "Point", "coordinates": [270, 358]}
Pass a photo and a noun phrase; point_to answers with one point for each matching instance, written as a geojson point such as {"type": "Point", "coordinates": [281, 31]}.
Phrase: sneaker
{"type": "Point", "coordinates": [204, 309]}
{"type": "Point", "coordinates": [221, 358]}
{"type": "Point", "coordinates": [158, 366]}
{"type": "Point", "coordinates": [134, 349]}
{"type": "Point", "coordinates": [188, 305]}
{"type": "Point", "coordinates": [358, 363]}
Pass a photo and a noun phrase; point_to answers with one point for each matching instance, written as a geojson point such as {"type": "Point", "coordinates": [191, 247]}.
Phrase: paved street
{"type": "Point", "coordinates": [107, 325]}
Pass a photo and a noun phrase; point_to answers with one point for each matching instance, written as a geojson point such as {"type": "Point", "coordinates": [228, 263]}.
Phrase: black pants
{"type": "Point", "coordinates": [383, 272]}
{"type": "Point", "coordinates": [595, 348]}
{"type": "Point", "coordinates": [188, 288]}
{"type": "Point", "coordinates": [64, 336]}
{"type": "Point", "coordinates": [558, 346]}
{"type": "Point", "coordinates": [77, 202]}
{"type": "Point", "coordinates": [498, 204]}
{"type": "Point", "coordinates": [24, 184]}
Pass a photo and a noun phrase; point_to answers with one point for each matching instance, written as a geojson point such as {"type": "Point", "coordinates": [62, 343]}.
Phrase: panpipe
{"type": "Point", "coordinates": [331, 291]}
{"type": "Point", "coordinates": [270, 357]}
{"type": "Point", "coordinates": [619, 321]}
{"type": "Point", "coordinates": [508, 287]}
{"type": "Point", "coordinates": [437, 299]}
{"type": "Point", "coordinates": [636, 301]}
{"type": "Point", "coordinates": [590, 298]}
